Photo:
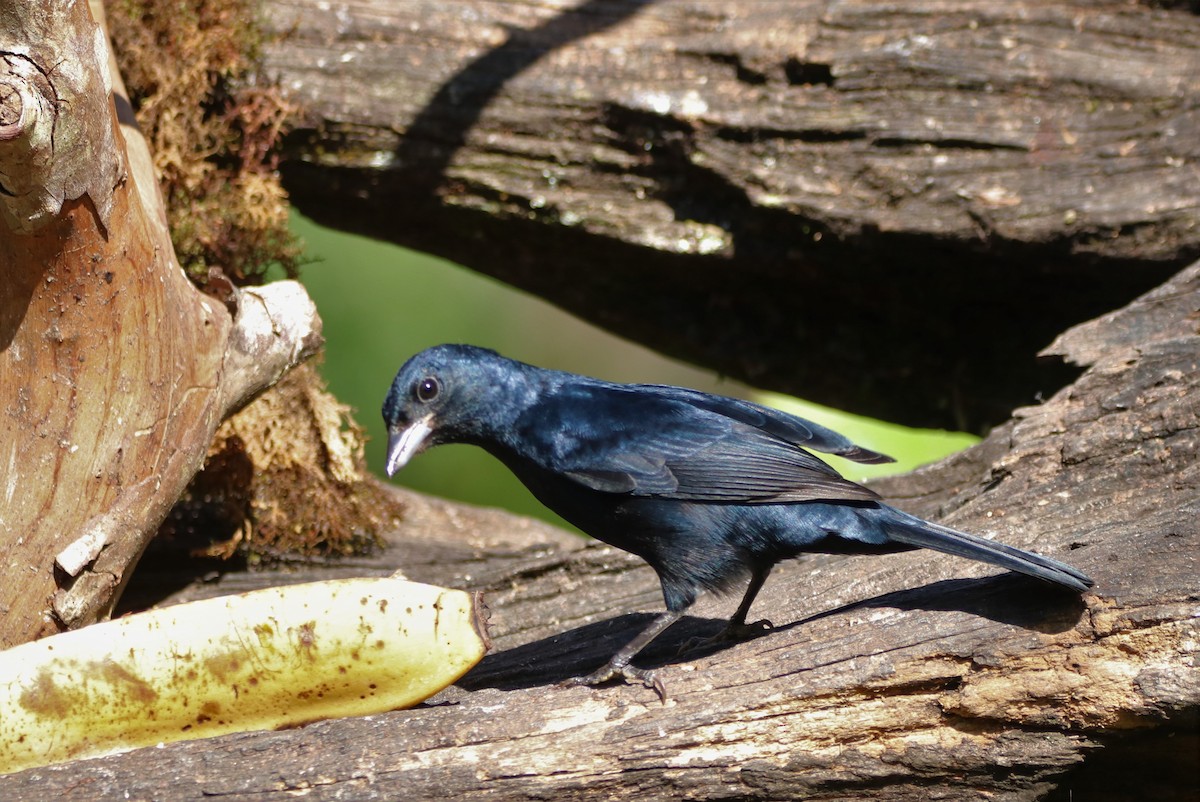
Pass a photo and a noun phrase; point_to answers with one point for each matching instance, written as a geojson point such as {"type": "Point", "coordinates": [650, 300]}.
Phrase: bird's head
{"type": "Point", "coordinates": [445, 394]}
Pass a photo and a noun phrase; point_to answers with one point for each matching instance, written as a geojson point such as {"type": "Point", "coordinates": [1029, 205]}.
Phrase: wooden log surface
{"type": "Point", "coordinates": [908, 677]}
{"type": "Point", "coordinates": [886, 207]}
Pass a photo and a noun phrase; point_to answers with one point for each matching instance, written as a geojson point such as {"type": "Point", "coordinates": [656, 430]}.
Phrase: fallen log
{"type": "Point", "coordinates": [906, 677]}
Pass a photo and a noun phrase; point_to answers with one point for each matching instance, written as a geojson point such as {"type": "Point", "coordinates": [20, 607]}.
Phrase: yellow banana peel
{"type": "Point", "coordinates": [266, 659]}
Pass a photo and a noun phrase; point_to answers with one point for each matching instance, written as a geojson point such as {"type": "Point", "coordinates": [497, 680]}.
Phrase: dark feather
{"type": "Point", "coordinates": [650, 440]}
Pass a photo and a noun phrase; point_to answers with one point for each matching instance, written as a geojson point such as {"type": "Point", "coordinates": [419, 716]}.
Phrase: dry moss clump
{"type": "Point", "coordinates": [286, 475]}
{"type": "Point", "coordinates": [190, 67]}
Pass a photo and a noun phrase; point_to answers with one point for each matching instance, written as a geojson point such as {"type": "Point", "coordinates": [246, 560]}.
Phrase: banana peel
{"type": "Point", "coordinates": [262, 660]}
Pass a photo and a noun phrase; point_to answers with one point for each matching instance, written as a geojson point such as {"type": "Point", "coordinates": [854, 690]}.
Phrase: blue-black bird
{"type": "Point", "coordinates": [708, 490]}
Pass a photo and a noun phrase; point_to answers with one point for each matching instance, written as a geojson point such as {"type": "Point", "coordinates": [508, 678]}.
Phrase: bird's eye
{"type": "Point", "coordinates": [428, 389]}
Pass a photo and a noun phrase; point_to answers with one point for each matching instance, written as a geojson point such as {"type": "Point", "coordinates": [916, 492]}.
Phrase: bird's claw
{"type": "Point", "coordinates": [731, 633]}
{"type": "Point", "coordinates": [746, 631]}
{"type": "Point", "coordinates": [628, 673]}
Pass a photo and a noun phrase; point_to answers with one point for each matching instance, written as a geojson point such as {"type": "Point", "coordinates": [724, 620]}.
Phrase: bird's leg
{"type": "Point", "coordinates": [619, 666]}
{"type": "Point", "coordinates": [736, 628]}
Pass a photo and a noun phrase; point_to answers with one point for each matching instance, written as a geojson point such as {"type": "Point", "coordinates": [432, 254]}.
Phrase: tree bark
{"type": "Point", "coordinates": [909, 677]}
{"type": "Point", "coordinates": [115, 371]}
{"type": "Point", "coordinates": [890, 208]}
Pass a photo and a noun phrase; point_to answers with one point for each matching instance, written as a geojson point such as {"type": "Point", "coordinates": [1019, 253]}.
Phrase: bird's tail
{"type": "Point", "coordinates": [912, 531]}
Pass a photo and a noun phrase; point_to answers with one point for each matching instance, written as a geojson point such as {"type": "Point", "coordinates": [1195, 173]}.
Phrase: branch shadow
{"type": "Point", "coordinates": [1006, 598]}
{"type": "Point", "coordinates": [441, 128]}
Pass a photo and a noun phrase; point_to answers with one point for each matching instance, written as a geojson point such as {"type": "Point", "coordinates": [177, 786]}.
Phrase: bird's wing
{"type": "Point", "coordinates": [659, 441]}
{"type": "Point", "coordinates": [790, 428]}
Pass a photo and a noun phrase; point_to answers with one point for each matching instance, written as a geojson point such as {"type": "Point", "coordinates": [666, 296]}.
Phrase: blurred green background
{"type": "Point", "coordinates": [381, 304]}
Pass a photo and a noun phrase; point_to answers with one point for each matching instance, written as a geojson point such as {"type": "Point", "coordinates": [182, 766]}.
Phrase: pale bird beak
{"type": "Point", "coordinates": [403, 445]}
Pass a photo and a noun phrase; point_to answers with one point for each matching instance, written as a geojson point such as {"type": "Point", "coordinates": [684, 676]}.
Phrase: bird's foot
{"type": "Point", "coordinates": [629, 673]}
{"type": "Point", "coordinates": [731, 633]}
{"type": "Point", "coordinates": [744, 631]}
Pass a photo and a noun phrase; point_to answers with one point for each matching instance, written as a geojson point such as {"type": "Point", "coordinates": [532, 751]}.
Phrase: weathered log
{"type": "Point", "coordinates": [115, 371]}
{"type": "Point", "coordinates": [887, 207]}
{"type": "Point", "coordinates": [909, 677]}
